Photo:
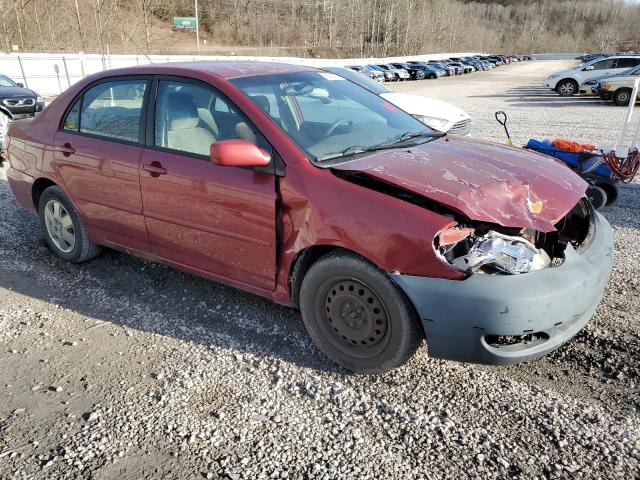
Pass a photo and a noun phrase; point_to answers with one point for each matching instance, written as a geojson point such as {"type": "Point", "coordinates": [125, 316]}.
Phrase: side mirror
{"type": "Point", "coordinates": [238, 153]}
{"type": "Point", "coordinates": [21, 85]}
{"type": "Point", "coordinates": [590, 67]}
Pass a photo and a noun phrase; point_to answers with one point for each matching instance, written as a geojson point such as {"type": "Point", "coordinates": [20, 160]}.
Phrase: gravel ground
{"type": "Point", "coordinates": [121, 368]}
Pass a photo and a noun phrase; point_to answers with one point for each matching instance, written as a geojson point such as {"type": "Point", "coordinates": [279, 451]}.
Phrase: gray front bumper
{"type": "Point", "coordinates": [459, 317]}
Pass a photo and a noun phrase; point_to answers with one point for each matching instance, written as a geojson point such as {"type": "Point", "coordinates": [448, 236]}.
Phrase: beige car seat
{"type": "Point", "coordinates": [242, 129]}
{"type": "Point", "coordinates": [183, 132]}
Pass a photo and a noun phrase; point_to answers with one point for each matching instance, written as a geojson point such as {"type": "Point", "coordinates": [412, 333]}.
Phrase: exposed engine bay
{"type": "Point", "coordinates": [475, 247]}
{"type": "Point", "coordinates": [496, 250]}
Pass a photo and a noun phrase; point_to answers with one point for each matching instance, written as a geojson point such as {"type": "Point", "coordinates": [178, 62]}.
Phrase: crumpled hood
{"type": "Point", "coordinates": [486, 182]}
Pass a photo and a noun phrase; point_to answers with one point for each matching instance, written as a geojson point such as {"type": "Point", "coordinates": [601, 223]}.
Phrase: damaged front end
{"type": "Point", "coordinates": [490, 249]}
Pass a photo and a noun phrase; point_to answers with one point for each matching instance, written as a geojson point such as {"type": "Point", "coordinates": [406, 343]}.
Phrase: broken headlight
{"type": "Point", "coordinates": [477, 251]}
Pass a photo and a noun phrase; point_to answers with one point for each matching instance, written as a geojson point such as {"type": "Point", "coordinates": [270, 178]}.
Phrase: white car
{"type": "Point", "coordinates": [567, 82]}
{"type": "Point", "coordinates": [439, 115]}
{"type": "Point", "coordinates": [5, 120]}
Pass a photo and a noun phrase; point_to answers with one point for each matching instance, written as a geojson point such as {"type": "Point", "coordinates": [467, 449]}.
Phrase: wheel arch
{"type": "Point", "coordinates": [38, 187]}
{"type": "Point", "coordinates": [303, 261]}
{"type": "Point", "coordinates": [565, 79]}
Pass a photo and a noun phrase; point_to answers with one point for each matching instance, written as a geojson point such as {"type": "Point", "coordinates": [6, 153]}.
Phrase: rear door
{"type": "Point", "coordinates": [97, 151]}
{"type": "Point", "coordinates": [216, 220]}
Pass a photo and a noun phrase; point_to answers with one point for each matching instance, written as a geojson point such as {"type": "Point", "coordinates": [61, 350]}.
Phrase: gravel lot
{"type": "Point", "coordinates": [121, 368]}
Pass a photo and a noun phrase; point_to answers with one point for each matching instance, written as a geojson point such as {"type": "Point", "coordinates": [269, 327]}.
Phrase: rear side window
{"type": "Point", "coordinates": [626, 62]}
{"type": "Point", "coordinates": [112, 110]}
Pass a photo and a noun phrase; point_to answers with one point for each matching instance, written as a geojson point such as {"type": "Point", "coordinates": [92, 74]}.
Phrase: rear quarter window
{"type": "Point", "coordinates": [72, 120]}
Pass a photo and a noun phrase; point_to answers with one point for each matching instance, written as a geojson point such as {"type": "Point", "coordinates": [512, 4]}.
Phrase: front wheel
{"type": "Point", "coordinates": [622, 97]}
{"type": "Point", "coordinates": [63, 229]}
{"type": "Point", "coordinates": [356, 315]}
{"type": "Point", "coordinates": [567, 88]}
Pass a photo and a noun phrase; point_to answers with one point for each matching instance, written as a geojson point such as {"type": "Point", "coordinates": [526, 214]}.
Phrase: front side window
{"type": "Point", "coordinates": [603, 64]}
{"type": "Point", "coordinates": [190, 117]}
{"type": "Point", "coordinates": [328, 116]}
{"type": "Point", "coordinates": [113, 109]}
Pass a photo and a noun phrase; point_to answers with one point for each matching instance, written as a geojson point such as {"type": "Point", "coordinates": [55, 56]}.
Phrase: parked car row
{"type": "Point", "coordinates": [571, 82]}
{"type": "Point", "coordinates": [432, 69]}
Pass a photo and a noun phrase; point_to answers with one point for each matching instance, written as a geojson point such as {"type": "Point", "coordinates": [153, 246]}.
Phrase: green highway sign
{"type": "Point", "coordinates": [181, 23]}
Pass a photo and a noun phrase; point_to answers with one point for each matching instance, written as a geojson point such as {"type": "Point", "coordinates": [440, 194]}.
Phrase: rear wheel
{"type": "Point", "coordinates": [622, 97]}
{"type": "Point", "coordinates": [63, 229]}
{"type": "Point", "coordinates": [567, 88]}
{"type": "Point", "coordinates": [356, 315]}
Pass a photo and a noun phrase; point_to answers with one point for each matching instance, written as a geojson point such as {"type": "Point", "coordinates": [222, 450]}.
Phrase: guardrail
{"type": "Point", "coordinates": [50, 74]}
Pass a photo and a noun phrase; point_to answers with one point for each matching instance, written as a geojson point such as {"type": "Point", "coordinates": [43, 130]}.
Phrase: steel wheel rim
{"type": "Point", "coordinates": [59, 226]}
{"type": "Point", "coordinates": [353, 318]}
{"type": "Point", "coordinates": [623, 97]}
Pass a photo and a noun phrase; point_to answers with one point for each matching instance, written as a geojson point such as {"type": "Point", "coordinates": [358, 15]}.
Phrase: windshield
{"type": "Point", "coordinates": [359, 79]}
{"type": "Point", "coordinates": [6, 82]}
{"type": "Point", "coordinates": [329, 117]}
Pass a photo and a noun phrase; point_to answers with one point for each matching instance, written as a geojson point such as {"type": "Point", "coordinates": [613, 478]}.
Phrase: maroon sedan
{"type": "Point", "coordinates": [300, 186]}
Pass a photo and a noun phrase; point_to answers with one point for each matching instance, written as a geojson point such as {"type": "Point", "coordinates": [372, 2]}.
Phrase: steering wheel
{"type": "Point", "coordinates": [336, 124]}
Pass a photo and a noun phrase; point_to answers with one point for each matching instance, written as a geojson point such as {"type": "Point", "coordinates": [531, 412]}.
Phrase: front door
{"type": "Point", "coordinates": [97, 152]}
{"type": "Point", "coordinates": [216, 220]}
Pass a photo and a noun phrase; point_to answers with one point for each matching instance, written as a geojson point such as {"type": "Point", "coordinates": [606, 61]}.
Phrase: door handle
{"type": "Point", "coordinates": [154, 168]}
{"type": "Point", "coordinates": [66, 149]}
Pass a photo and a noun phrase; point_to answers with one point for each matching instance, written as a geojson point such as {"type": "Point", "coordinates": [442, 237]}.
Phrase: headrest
{"type": "Point", "coordinates": [262, 101]}
{"type": "Point", "coordinates": [182, 111]}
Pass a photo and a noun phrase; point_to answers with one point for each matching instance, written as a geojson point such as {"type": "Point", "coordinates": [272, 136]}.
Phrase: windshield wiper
{"type": "Point", "coordinates": [352, 150]}
{"type": "Point", "coordinates": [394, 143]}
{"type": "Point", "coordinates": [403, 137]}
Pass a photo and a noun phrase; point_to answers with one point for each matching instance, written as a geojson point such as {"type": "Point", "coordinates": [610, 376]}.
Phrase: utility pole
{"type": "Point", "coordinates": [197, 27]}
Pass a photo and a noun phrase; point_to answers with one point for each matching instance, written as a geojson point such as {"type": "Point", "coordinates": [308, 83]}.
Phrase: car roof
{"type": "Point", "coordinates": [223, 68]}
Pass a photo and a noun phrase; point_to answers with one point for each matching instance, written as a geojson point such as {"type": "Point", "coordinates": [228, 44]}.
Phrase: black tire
{"type": "Point", "coordinates": [433, 76]}
{"type": "Point", "coordinates": [357, 316]}
{"type": "Point", "coordinates": [622, 97]}
{"type": "Point", "coordinates": [597, 196]}
{"type": "Point", "coordinates": [567, 87]}
{"type": "Point", "coordinates": [83, 248]}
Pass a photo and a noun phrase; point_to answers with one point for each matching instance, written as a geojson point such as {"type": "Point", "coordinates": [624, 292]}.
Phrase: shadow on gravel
{"type": "Point", "coordinates": [529, 96]}
{"type": "Point", "coordinates": [624, 212]}
{"type": "Point", "coordinates": [135, 293]}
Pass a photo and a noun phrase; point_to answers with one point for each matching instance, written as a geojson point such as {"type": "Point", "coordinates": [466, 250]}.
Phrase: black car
{"type": "Point", "coordinates": [17, 99]}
